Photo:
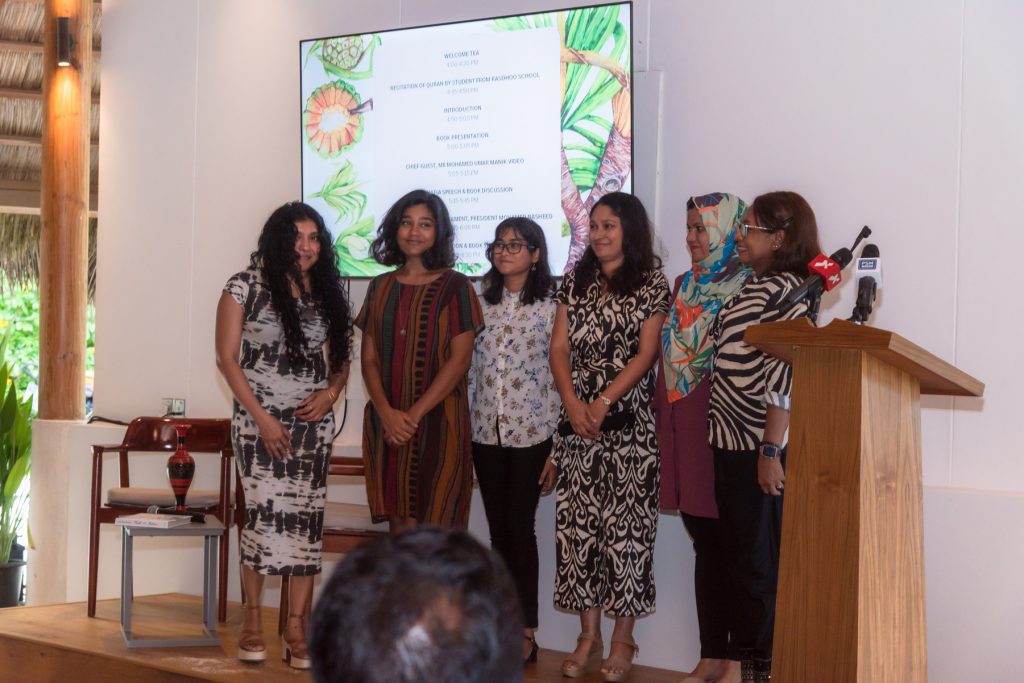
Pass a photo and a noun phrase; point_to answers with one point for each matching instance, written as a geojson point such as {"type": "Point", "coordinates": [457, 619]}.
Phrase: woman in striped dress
{"type": "Point", "coordinates": [749, 417]}
{"type": "Point", "coordinates": [418, 325]}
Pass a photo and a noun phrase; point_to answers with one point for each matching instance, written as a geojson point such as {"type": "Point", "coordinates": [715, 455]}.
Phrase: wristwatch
{"type": "Point", "coordinates": [769, 450]}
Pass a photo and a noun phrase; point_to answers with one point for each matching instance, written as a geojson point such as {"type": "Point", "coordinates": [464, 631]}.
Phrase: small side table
{"type": "Point", "coordinates": [210, 530]}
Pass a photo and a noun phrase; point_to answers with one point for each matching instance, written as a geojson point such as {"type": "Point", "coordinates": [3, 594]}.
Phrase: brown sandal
{"type": "Point", "coordinates": [627, 670]}
{"type": "Point", "coordinates": [295, 653]}
{"type": "Point", "coordinates": [251, 647]}
{"type": "Point", "coordinates": [573, 667]}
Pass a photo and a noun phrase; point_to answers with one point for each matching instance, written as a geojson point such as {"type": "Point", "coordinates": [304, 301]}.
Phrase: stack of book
{"type": "Point", "coordinates": [154, 519]}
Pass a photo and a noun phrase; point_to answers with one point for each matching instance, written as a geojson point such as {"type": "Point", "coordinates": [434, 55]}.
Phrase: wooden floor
{"type": "Point", "coordinates": [60, 643]}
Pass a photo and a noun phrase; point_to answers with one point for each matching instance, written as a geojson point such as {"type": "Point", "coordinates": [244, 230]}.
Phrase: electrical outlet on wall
{"type": "Point", "coordinates": [172, 407]}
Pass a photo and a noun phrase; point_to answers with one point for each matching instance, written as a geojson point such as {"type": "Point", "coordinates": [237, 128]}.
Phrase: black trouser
{"type": "Point", "coordinates": [510, 488]}
{"type": "Point", "coordinates": [751, 525]}
{"type": "Point", "coordinates": [712, 587]}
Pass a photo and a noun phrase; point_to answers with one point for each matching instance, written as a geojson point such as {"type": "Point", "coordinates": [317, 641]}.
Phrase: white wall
{"type": "Point", "coordinates": [902, 115]}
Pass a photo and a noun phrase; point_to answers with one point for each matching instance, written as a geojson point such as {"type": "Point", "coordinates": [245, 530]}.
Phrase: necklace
{"type": "Point", "coordinates": [402, 318]}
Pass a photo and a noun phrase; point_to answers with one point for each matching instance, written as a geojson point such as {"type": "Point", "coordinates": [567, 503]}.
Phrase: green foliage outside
{"type": "Point", "coordinates": [15, 456]}
{"type": "Point", "coordinates": [19, 320]}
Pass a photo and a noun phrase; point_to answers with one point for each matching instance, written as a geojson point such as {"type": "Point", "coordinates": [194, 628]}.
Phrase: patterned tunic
{"type": "Point", "coordinates": [745, 380]}
{"type": "Point", "coordinates": [284, 499]}
{"type": "Point", "coordinates": [510, 381]}
{"type": "Point", "coordinates": [606, 512]}
{"type": "Point", "coordinates": [429, 478]}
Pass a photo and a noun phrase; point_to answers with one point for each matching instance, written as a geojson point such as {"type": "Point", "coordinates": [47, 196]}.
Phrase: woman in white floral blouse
{"type": "Point", "coordinates": [514, 404]}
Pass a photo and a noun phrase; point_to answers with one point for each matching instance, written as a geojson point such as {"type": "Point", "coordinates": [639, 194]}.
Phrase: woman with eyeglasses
{"type": "Point", "coordinates": [681, 399]}
{"type": "Point", "coordinates": [514, 404]}
{"type": "Point", "coordinates": [418, 325]}
{"type": "Point", "coordinates": [603, 350]}
{"type": "Point", "coordinates": [749, 417]}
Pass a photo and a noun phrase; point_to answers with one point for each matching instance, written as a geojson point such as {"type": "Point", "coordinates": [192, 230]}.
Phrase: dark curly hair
{"type": "Point", "coordinates": [276, 259]}
{"type": "Point", "coordinates": [539, 282]}
{"type": "Point", "coordinates": [637, 248]}
{"type": "Point", "coordinates": [790, 213]}
{"type": "Point", "coordinates": [385, 248]}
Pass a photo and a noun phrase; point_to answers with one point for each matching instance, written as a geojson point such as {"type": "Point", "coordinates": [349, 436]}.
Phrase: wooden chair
{"type": "Point", "coordinates": [346, 525]}
{"type": "Point", "coordinates": [156, 434]}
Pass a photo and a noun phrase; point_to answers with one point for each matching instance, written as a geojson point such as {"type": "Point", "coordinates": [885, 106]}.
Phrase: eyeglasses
{"type": "Point", "coordinates": [512, 248]}
{"type": "Point", "coordinates": [744, 229]}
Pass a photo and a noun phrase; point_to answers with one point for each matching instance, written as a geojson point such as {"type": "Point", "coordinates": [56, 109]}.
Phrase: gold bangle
{"type": "Point", "coordinates": [334, 396]}
{"type": "Point", "coordinates": [604, 399]}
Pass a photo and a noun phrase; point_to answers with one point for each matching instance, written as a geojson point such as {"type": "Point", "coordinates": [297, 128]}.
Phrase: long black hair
{"type": "Point", "coordinates": [539, 282]}
{"type": "Point", "coordinates": [637, 248]}
{"type": "Point", "coordinates": [385, 248]}
{"type": "Point", "coordinates": [276, 259]}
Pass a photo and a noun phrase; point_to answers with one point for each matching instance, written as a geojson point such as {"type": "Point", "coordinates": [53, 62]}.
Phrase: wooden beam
{"type": "Point", "coordinates": [22, 197]}
{"type": "Point", "coordinates": [97, 4]}
{"type": "Point", "coordinates": [35, 95]}
{"type": "Point", "coordinates": [31, 141]}
{"type": "Point", "coordinates": [64, 209]}
{"type": "Point", "coordinates": [31, 47]}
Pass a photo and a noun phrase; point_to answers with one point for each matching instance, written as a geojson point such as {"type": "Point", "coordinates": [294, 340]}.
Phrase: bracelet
{"type": "Point", "coordinates": [604, 399]}
{"type": "Point", "coordinates": [332, 394]}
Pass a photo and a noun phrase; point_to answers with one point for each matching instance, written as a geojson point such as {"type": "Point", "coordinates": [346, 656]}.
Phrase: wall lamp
{"type": "Point", "coordinates": [64, 42]}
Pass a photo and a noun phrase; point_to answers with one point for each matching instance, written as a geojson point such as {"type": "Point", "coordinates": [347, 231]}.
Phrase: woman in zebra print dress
{"type": "Point", "coordinates": [284, 313]}
{"type": "Point", "coordinates": [749, 417]}
{"type": "Point", "coordinates": [604, 345]}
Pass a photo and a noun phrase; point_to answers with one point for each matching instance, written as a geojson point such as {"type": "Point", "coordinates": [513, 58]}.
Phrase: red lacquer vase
{"type": "Point", "coordinates": [181, 467]}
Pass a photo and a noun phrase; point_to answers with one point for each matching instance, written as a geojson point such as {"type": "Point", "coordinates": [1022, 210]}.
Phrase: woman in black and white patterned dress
{"type": "Point", "coordinates": [290, 318]}
{"type": "Point", "coordinates": [749, 418]}
{"type": "Point", "coordinates": [603, 349]}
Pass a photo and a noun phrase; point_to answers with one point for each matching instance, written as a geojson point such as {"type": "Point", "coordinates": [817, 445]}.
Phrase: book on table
{"type": "Point", "coordinates": [153, 519]}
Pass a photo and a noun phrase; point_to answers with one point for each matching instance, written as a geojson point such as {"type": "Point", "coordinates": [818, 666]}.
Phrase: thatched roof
{"type": "Point", "coordinates": [19, 245]}
{"type": "Point", "coordinates": [21, 129]}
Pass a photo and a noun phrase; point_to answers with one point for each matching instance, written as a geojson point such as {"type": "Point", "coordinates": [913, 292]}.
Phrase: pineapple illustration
{"type": "Point", "coordinates": [344, 53]}
{"type": "Point", "coordinates": [341, 56]}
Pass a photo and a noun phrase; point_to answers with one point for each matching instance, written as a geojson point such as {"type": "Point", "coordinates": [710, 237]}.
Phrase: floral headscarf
{"type": "Point", "coordinates": [686, 335]}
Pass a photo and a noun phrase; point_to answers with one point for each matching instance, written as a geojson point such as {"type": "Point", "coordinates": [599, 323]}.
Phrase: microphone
{"type": "Point", "coordinates": [869, 278]}
{"type": "Point", "coordinates": [825, 274]}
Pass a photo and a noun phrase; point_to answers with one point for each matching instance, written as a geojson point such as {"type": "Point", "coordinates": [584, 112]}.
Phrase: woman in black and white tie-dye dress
{"type": "Point", "coordinates": [275, 321]}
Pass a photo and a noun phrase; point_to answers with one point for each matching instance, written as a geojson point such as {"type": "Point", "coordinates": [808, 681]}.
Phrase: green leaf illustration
{"type": "Point", "coordinates": [357, 245]}
{"type": "Point", "coordinates": [341, 193]}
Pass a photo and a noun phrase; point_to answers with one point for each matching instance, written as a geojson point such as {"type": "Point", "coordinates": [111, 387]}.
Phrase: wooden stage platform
{"type": "Point", "coordinates": [59, 643]}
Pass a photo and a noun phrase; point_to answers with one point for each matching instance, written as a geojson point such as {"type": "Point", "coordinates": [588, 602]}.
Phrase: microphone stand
{"type": "Point", "coordinates": [813, 304]}
{"type": "Point", "coordinates": [862, 308]}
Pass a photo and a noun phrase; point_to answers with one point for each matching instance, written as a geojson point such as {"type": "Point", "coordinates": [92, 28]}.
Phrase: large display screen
{"type": "Point", "coordinates": [526, 115]}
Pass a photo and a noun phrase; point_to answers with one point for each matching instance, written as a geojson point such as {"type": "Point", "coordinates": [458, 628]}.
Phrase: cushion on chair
{"type": "Point", "coordinates": [350, 517]}
{"type": "Point", "coordinates": [142, 497]}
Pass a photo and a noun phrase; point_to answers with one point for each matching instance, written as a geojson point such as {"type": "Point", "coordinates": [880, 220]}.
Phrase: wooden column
{"type": "Point", "coordinates": [64, 211]}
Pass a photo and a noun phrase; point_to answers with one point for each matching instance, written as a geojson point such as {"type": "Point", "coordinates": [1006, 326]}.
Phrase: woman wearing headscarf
{"type": "Point", "coordinates": [682, 395]}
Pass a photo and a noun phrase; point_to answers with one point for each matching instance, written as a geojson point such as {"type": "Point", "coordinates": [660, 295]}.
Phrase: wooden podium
{"type": "Point", "coordinates": [851, 572]}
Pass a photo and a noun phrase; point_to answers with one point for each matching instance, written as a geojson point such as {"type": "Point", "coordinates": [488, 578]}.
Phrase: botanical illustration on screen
{"type": "Point", "coordinates": [524, 115]}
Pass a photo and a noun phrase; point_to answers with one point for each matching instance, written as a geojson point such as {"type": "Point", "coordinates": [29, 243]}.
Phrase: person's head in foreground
{"type": "Point", "coordinates": [426, 605]}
